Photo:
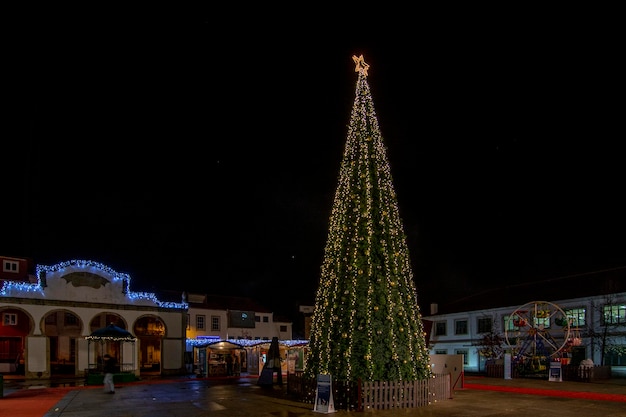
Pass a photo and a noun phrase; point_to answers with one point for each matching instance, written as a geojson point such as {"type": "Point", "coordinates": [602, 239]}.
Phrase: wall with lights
{"type": "Point", "coordinates": [83, 290]}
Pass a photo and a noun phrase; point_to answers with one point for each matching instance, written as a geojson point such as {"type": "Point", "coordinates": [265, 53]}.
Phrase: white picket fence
{"type": "Point", "coordinates": [375, 395]}
{"type": "Point", "coordinates": [384, 395]}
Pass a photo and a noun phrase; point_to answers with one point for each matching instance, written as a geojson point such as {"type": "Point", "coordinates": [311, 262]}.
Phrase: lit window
{"type": "Point", "coordinates": [512, 322]}
{"type": "Point", "coordinates": [615, 314]}
{"type": "Point", "coordinates": [576, 317]}
{"type": "Point", "coordinates": [542, 322]}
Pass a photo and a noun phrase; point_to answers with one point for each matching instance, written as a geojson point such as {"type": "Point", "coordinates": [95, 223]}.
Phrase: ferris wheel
{"type": "Point", "coordinates": [536, 332]}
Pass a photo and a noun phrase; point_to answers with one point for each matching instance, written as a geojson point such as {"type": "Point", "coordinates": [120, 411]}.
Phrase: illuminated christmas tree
{"type": "Point", "coordinates": [367, 323]}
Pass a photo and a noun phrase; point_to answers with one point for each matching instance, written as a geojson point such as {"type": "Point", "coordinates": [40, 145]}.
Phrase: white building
{"type": "Point", "coordinates": [224, 318]}
{"type": "Point", "coordinates": [47, 321]}
{"type": "Point", "coordinates": [234, 326]}
{"type": "Point", "coordinates": [530, 328]}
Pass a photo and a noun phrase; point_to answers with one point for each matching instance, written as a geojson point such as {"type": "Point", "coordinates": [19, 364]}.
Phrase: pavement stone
{"type": "Point", "coordinates": [242, 397]}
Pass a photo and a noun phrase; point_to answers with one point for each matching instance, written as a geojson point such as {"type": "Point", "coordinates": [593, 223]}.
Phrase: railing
{"type": "Point", "coordinates": [585, 373]}
{"type": "Point", "coordinates": [375, 395]}
{"type": "Point", "coordinates": [568, 372]}
{"type": "Point", "coordinates": [387, 395]}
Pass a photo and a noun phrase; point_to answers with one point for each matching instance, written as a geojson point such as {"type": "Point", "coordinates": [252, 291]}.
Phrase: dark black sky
{"type": "Point", "coordinates": [202, 153]}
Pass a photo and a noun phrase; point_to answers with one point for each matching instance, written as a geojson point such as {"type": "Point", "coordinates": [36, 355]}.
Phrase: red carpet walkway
{"type": "Point", "coordinates": [32, 402]}
{"type": "Point", "coordinates": [581, 395]}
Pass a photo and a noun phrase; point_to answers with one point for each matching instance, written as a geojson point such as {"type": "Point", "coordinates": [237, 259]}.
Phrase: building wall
{"type": "Point", "coordinates": [85, 290]}
{"type": "Point", "coordinates": [265, 328]}
{"type": "Point", "coordinates": [468, 342]}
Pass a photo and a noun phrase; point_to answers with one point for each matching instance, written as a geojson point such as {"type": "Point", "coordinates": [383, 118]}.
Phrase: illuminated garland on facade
{"type": "Point", "coordinates": [247, 342]}
{"type": "Point", "coordinates": [12, 286]}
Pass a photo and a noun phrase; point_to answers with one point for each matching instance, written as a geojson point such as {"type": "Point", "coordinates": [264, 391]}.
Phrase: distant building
{"type": "Point", "coordinates": [49, 314]}
{"type": "Point", "coordinates": [233, 326]}
{"type": "Point", "coordinates": [573, 316]}
{"type": "Point", "coordinates": [16, 270]}
{"type": "Point", "coordinates": [237, 318]}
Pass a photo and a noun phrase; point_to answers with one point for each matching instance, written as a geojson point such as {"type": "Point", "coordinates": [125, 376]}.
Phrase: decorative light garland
{"type": "Point", "coordinates": [9, 287]}
{"type": "Point", "coordinates": [246, 342]}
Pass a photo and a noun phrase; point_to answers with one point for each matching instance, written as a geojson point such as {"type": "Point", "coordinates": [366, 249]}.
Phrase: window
{"type": "Point", "coordinates": [266, 319]}
{"type": "Point", "coordinates": [542, 322]}
{"type": "Point", "coordinates": [613, 357]}
{"type": "Point", "coordinates": [283, 328]}
{"type": "Point", "coordinates": [51, 319]}
{"type": "Point", "coordinates": [440, 328]}
{"type": "Point", "coordinates": [615, 314]}
{"type": "Point", "coordinates": [9, 319]}
{"type": "Point", "coordinates": [576, 317]}
{"type": "Point", "coordinates": [257, 318]}
{"type": "Point", "coordinates": [70, 319]}
{"type": "Point", "coordinates": [460, 327]}
{"type": "Point", "coordinates": [464, 353]}
{"type": "Point", "coordinates": [10, 266]}
{"type": "Point", "coordinates": [484, 325]}
{"type": "Point", "coordinates": [510, 322]}
{"type": "Point", "coordinates": [215, 323]}
{"type": "Point", "coordinates": [441, 352]}
{"type": "Point", "coordinates": [200, 319]}
{"type": "Point", "coordinates": [541, 316]}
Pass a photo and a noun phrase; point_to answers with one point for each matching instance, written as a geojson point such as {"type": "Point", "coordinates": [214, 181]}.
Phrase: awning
{"type": "Point", "coordinates": [221, 345]}
{"type": "Point", "coordinates": [112, 332]}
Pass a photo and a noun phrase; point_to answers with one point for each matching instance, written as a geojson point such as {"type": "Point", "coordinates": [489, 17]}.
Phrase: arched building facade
{"type": "Point", "coordinates": [45, 321]}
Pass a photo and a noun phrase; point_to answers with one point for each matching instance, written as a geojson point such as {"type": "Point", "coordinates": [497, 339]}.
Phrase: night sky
{"type": "Point", "coordinates": [202, 159]}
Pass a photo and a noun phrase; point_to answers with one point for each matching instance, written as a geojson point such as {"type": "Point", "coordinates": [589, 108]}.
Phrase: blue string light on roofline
{"type": "Point", "coordinates": [13, 287]}
{"type": "Point", "coordinates": [83, 264]}
{"type": "Point", "coordinates": [247, 342]}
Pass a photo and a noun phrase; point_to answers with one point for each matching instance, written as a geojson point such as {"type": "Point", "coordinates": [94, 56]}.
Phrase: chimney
{"type": "Point", "coordinates": [434, 308]}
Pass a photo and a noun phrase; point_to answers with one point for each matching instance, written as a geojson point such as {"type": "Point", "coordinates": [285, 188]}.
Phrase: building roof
{"type": "Point", "coordinates": [587, 284]}
{"type": "Point", "coordinates": [223, 302]}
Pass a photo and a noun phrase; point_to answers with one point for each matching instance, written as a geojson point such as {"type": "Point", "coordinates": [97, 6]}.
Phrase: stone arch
{"type": "Point", "coordinates": [150, 330]}
{"type": "Point", "coordinates": [17, 325]}
{"type": "Point", "coordinates": [105, 318]}
{"type": "Point", "coordinates": [63, 328]}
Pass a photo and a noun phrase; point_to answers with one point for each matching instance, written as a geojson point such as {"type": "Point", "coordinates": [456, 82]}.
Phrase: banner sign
{"type": "Point", "coordinates": [324, 395]}
{"type": "Point", "coordinates": [555, 372]}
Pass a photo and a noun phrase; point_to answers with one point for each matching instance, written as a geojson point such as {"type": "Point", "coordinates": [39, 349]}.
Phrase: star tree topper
{"type": "Point", "coordinates": [361, 65]}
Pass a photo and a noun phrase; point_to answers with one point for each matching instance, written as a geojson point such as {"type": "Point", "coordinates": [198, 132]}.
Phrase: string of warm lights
{"type": "Point", "coordinates": [367, 323]}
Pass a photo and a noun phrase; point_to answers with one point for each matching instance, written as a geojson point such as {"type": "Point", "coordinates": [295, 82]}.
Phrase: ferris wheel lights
{"type": "Point", "coordinates": [533, 340]}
